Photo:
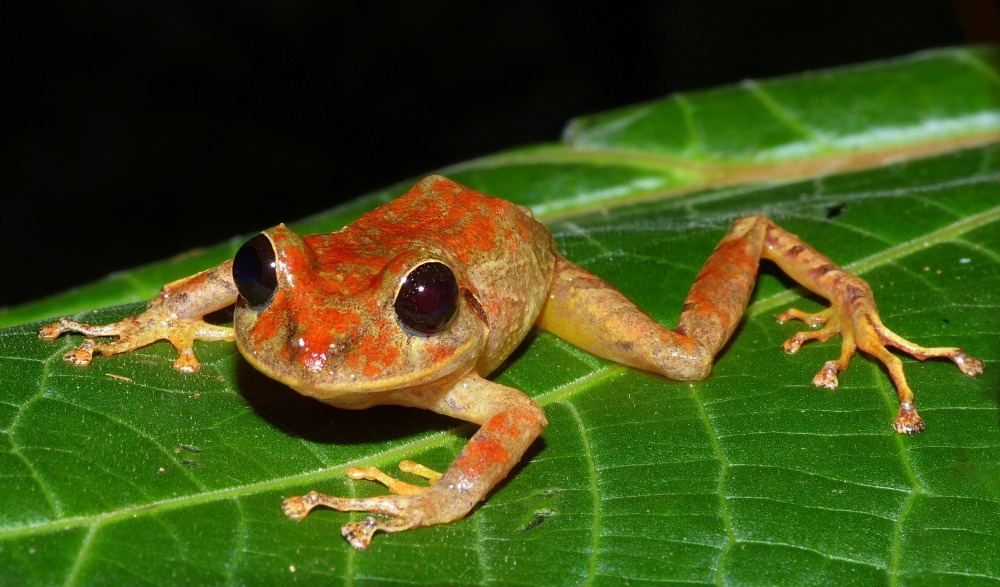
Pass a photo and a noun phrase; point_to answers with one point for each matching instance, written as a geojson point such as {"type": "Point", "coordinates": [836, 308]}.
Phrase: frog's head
{"type": "Point", "coordinates": [332, 320]}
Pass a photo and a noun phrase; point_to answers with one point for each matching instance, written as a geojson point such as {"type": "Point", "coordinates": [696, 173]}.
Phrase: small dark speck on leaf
{"type": "Point", "coordinates": [540, 517]}
{"type": "Point", "coordinates": [192, 464]}
{"type": "Point", "coordinates": [834, 211]}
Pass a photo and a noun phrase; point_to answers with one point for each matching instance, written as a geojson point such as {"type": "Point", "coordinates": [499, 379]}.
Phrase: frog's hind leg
{"type": "Point", "coordinates": [590, 313]}
{"type": "Point", "coordinates": [587, 311]}
{"type": "Point", "coordinates": [854, 316]}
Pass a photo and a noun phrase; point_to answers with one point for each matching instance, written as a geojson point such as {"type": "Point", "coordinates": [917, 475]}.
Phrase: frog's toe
{"type": "Point", "coordinates": [82, 355]}
{"type": "Point", "coordinates": [51, 331]}
{"type": "Point", "coordinates": [810, 318]}
{"type": "Point", "coordinates": [360, 534]}
{"type": "Point", "coordinates": [971, 366]}
{"type": "Point", "coordinates": [408, 466]}
{"type": "Point", "coordinates": [908, 421]}
{"type": "Point", "coordinates": [55, 329]}
{"type": "Point", "coordinates": [793, 344]}
{"type": "Point", "coordinates": [298, 507]}
{"type": "Point", "coordinates": [394, 485]}
{"type": "Point", "coordinates": [881, 337]}
{"type": "Point", "coordinates": [827, 376]}
{"type": "Point", "coordinates": [186, 362]}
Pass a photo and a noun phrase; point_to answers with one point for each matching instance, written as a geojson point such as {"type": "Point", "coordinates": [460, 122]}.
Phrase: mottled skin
{"type": "Point", "coordinates": [330, 331]}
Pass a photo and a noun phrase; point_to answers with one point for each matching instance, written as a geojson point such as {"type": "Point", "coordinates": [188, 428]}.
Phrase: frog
{"type": "Point", "coordinates": [419, 301]}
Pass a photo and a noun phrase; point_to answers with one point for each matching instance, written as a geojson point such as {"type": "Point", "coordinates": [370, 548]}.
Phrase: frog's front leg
{"type": "Point", "coordinates": [588, 312]}
{"type": "Point", "coordinates": [175, 315]}
{"type": "Point", "coordinates": [510, 423]}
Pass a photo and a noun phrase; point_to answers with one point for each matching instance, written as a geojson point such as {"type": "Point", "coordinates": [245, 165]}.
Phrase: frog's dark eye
{"type": "Point", "coordinates": [428, 298]}
{"type": "Point", "coordinates": [253, 271]}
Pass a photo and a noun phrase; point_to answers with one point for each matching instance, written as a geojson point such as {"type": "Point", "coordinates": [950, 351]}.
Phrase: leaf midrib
{"type": "Point", "coordinates": [709, 173]}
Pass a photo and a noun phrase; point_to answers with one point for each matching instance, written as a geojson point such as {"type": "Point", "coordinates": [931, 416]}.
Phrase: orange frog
{"type": "Point", "coordinates": [416, 302]}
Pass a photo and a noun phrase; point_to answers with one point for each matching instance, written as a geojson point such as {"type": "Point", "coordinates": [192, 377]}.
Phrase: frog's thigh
{"type": "Point", "coordinates": [587, 311]}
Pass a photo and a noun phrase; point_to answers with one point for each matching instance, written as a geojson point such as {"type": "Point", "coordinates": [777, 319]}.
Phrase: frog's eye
{"type": "Point", "coordinates": [428, 298]}
{"type": "Point", "coordinates": [253, 271]}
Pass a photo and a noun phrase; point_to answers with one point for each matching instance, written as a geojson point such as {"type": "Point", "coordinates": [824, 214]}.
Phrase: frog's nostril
{"type": "Point", "coordinates": [254, 272]}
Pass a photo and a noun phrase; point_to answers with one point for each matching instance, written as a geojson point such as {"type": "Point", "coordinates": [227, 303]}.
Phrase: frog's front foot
{"type": "Point", "coordinates": [401, 513]}
{"type": "Point", "coordinates": [858, 322]}
{"type": "Point", "coordinates": [404, 509]}
{"type": "Point", "coordinates": [136, 332]}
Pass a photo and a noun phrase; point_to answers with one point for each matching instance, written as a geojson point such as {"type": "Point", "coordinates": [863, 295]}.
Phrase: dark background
{"type": "Point", "coordinates": [135, 130]}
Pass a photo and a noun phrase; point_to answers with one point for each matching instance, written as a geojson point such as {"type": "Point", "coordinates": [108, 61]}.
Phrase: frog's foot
{"type": "Point", "coordinates": [403, 509]}
{"type": "Point", "coordinates": [861, 328]}
{"type": "Point", "coordinates": [136, 332]}
{"type": "Point", "coordinates": [400, 512]}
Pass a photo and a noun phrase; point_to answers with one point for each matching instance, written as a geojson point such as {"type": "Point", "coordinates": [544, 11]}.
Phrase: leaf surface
{"type": "Point", "coordinates": [128, 472]}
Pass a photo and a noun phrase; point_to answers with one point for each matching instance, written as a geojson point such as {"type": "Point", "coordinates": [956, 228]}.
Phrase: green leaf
{"type": "Point", "coordinates": [128, 472]}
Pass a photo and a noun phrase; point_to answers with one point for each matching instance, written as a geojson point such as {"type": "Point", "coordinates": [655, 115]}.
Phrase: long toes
{"type": "Point", "coordinates": [813, 319]}
{"type": "Point", "coordinates": [394, 485]}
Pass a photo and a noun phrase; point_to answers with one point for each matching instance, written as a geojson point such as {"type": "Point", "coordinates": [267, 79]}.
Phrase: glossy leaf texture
{"type": "Point", "coordinates": [128, 472]}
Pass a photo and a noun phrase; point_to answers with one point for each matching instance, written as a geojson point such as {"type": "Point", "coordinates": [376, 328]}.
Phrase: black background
{"type": "Point", "coordinates": [135, 130]}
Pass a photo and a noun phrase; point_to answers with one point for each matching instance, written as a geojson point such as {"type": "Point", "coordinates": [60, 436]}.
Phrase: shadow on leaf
{"type": "Point", "coordinates": [312, 420]}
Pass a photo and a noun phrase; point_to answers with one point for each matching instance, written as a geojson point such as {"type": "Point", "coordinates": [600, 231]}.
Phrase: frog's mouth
{"type": "Point", "coordinates": [339, 377]}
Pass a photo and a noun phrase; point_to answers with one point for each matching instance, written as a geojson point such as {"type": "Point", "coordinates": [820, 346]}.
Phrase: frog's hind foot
{"type": "Point", "coordinates": [862, 329]}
